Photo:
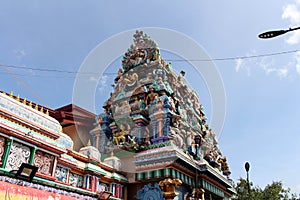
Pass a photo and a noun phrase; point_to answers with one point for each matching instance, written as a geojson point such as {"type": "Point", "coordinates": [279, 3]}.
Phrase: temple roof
{"type": "Point", "coordinates": [152, 104]}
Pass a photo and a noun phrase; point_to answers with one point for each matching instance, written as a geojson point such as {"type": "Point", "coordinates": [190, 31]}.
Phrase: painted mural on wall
{"type": "Point", "coordinates": [10, 191]}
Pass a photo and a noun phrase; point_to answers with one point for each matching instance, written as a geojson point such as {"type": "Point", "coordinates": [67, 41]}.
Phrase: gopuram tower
{"type": "Point", "coordinates": [153, 114]}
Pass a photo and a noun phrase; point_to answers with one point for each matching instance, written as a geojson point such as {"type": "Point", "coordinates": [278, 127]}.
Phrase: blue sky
{"type": "Point", "coordinates": [262, 105]}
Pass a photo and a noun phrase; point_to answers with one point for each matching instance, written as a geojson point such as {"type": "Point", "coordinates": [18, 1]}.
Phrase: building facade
{"type": "Point", "coordinates": [156, 126]}
{"type": "Point", "coordinates": [29, 135]}
{"type": "Point", "coordinates": [151, 142]}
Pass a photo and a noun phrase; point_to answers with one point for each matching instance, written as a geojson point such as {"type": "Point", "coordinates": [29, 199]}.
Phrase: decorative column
{"type": "Point", "coordinates": [54, 167]}
{"type": "Point", "coordinates": [167, 122]}
{"type": "Point", "coordinates": [6, 152]}
{"type": "Point", "coordinates": [140, 134]}
{"type": "Point", "coordinates": [154, 128]}
{"type": "Point", "coordinates": [168, 186]}
{"type": "Point", "coordinates": [159, 117]}
{"type": "Point", "coordinates": [140, 122]}
{"type": "Point", "coordinates": [95, 133]}
{"type": "Point", "coordinates": [31, 158]}
{"type": "Point", "coordinates": [159, 128]}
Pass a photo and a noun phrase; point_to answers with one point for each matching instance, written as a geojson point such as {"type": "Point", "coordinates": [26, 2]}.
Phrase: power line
{"type": "Point", "coordinates": [171, 60]}
{"type": "Point", "coordinates": [236, 58]}
{"type": "Point", "coordinates": [24, 84]}
{"type": "Point", "coordinates": [52, 70]}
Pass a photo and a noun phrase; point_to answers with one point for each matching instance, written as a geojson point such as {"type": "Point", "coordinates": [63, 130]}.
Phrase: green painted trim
{"type": "Point", "coordinates": [94, 170]}
{"type": "Point", "coordinates": [212, 188]}
{"type": "Point", "coordinates": [119, 154]}
{"type": "Point", "coordinates": [32, 153]}
{"type": "Point", "coordinates": [9, 142]}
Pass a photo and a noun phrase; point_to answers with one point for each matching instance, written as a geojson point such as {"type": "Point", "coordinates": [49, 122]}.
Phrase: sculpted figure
{"type": "Point", "coordinates": [181, 78]}
{"type": "Point", "coordinates": [135, 105]}
{"type": "Point", "coordinates": [120, 71]}
{"type": "Point", "coordinates": [151, 96]}
{"type": "Point", "coordinates": [120, 137]}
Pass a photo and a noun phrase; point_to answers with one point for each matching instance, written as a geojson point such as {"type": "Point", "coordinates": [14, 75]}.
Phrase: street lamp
{"type": "Point", "coordinates": [247, 167]}
{"type": "Point", "coordinates": [26, 172]}
{"type": "Point", "coordinates": [104, 195]}
{"type": "Point", "coordinates": [275, 33]}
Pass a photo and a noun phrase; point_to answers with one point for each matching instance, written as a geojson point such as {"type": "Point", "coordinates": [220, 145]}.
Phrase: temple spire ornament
{"type": "Point", "coordinates": [151, 106]}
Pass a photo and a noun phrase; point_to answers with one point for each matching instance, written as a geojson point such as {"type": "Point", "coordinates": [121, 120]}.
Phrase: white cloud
{"type": "Point", "coordinates": [93, 79]}
{"type": "Point", "coordinates": [244, 64]}
{"type": "Point", "coordinates": [239, 63]}
{"type": "Point", "coordinates": [103, 82]}
{"type": "Point", "coordinates": [292, 13]}
{"type": "Point", "coordinates": [269, 67]}
{"type": "Point", "coordinates": [20, 53]}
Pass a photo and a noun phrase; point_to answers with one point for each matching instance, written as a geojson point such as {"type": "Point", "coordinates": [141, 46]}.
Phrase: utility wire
{"type": "Point", "coordinates": [53, 70]}
{"type": "Point", "coordinates": [171, 60]}
{"type": "Point", "coordinates": [24, 85]}
{"type": "Point", "coordinates": [236, 58]}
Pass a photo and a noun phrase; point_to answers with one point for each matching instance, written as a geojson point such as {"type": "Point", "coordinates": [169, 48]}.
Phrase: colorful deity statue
{"type": "Point", "coordinates": [151, 97]}
{"type": "Point", "coordinates": [121, 135]}
{"type": "Point", "coordinates": [103, 121]}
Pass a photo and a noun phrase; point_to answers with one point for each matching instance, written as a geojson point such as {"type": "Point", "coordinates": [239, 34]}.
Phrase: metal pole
{"type": "Point", "coordinates": [248, 184]}
{"type": "Point", "coordinates": [247, 167]}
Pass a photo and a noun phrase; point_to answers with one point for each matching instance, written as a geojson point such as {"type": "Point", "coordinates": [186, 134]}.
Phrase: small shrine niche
{"type": "Point", "coordinates": [152, 106]}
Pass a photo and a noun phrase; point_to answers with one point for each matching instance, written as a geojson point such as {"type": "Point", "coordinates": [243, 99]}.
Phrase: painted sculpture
{"type": "Point", "coordinates": [151, 104]}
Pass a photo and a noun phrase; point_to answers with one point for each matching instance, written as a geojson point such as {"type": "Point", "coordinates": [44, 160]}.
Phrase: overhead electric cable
{"type": "Point", "coordinates": [24, 85]}
{"type": "Point", "coordinates": [235, 58]}
{"type": "Point", "coordinates": [52, 70]}
{"type": "Point", "coordinates": [171, 60]}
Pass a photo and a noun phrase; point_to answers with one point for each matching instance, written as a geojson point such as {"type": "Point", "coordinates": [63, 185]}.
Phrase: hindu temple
{"type": "Point", "coordinates": [152, 140]}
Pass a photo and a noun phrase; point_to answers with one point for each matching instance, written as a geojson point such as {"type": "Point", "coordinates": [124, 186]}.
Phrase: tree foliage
{"type": "Point", "coordinates": [274, 191]}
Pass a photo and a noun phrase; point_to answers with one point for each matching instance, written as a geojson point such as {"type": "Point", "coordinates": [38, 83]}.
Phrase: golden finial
{"type": "Point", "coordinates": [36, 107]}
{"type": "Point", "coordinates": [42, 110]}
{"type": "Point", "coordinates": [89, 143]}
{"type": "Point", "coordinates": [24, 101]}
{"type": "Point", "coordinates": [47, 112]}
{"type": "Point", "coordinates": [30, 104]}
{"type": "Point", "coordinates": [18, 98]}
{"type": "Point", "coordinates": [11, 94]}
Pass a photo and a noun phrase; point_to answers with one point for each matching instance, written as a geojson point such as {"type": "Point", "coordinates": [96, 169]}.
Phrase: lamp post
{"type": "Point", "coordinates": [247, 167]}
{"type": "Point", "coordinates": [275, 33]}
